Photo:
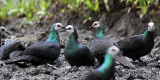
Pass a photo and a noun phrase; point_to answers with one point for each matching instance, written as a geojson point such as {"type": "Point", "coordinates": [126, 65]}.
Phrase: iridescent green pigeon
{"type": "Point", "coordinates": [42, 52]}
{"type": "Point", "coordinates": [106, 70]}
{"type": "Point", "coordinates": [9, 47]}
{"type": "Point", "coordinates": [75, 53]}
{"type": "Point", "coordinates": [139, 45]}
{"type": "Point", "coordinates": [100, 43]}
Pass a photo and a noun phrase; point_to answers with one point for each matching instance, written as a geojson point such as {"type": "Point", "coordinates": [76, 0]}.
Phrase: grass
{"type": "Point", "coordinates": [30, 9]}
{"type": "Point", "coordinates": [33, 10]}
{"type": "Point", "coordinates": [143, 4]}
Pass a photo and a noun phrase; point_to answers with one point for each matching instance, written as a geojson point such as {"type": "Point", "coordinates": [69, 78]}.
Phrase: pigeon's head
{"type": "Point", "coordinates": [70, 29]}
{"type": "Point", "coordinates": [56, 26]}
{"type": "Point", "coordinates": [97, 24]}
{"type": "Point", "coordinates": [151, 26]}
{"type": "Point", "coordinates": [3, 32]}
{"type": "Point", "coordinates": [113, 50]}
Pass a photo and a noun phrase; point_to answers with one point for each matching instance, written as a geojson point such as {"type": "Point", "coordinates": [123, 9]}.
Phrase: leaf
{"type": "Point", "coordinates": [13, 11]}
{"type": "Point", "coordinates": [145, 9]}
{"type": "Point", "coordinates": [96, 7]}
{"type": "Point", "coordinates": [89, 4]}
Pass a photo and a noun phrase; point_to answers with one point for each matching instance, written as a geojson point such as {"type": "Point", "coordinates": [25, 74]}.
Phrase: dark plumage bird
{"type": "Point", "coordinates": [100, 43]}
{"type": "Point", "coordinates": [3, 33]}
{"type": "Point", "coordinates": [17, 49]}
{"type": "Point", "coordinates": [42, 52]}
{"type": "Point", "coordinates": [139, 45]}
{"type": "Point", "coordinates": [106, 70]}
{"type": "Point", "coordinates": [75, 53]}
{"type": "Point", "coordinates": [9, 47]}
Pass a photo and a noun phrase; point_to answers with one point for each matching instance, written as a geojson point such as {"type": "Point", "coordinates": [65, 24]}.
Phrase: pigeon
{"type": "Point", "coordinates": [75, 53]}
{"type": "Point", "coordinates": [139, 45]}
{"type": "Point", "coordinates": [9, 47]}
{"type": "Point", "coordinates": [100, 43]}
{"type": "Point", "coordinates": [106, 70]}
{"type": "Point", "coordinates": [41, 52]}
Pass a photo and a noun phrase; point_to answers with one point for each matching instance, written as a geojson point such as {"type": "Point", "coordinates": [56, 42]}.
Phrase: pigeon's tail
{"type": "Point", "coordinates": [124, 61]}
{"type": "Point", "coordinates": [25, 58]}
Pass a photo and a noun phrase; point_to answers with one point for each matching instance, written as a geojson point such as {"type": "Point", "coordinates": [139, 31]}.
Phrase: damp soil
{"type": "Point", "coordinates": [118, 25]}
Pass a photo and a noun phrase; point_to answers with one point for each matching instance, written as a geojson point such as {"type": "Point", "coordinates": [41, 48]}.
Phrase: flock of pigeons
{"type": "Point", "coordinates": [101, 48]}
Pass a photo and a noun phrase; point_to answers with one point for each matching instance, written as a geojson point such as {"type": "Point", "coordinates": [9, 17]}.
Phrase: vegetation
{"type": "Point", "coordinates": [32, 10]}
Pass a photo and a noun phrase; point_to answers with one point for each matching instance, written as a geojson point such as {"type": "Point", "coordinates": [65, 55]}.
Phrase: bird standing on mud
{"type": "Point", "coordinates": [75, 53]}
{"type": "Point", "coordinates": [106, 70]}
{"type": "Point", "coordinates": [100, 43]}
{"type": "Point", "coordinates": [42, 52]}
{"type": "Point", "coordinates": [139, 45]}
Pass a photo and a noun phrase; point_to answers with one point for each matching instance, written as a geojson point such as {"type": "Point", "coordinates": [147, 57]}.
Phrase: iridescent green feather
{"type": "Point", "coordinates": [100, 32]}
{"type": "Point", "coordinates": [54, 35]}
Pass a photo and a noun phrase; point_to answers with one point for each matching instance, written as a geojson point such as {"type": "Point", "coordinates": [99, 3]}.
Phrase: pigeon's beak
{"type": "Point", "coordinates": [64, 29]}
{"type": "Point", "coordinates": [91, 27]}
{"type": "Point", "coordinates": [7, 32]}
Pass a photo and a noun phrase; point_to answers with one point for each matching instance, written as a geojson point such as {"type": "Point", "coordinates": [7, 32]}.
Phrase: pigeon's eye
{"type": "Point", "coordinates": [94, 24]}
{"type": "Point", "coordinates": [113, 50]}
{"type": "Point", "coordinates": [58, 25]}
{"type": "Point", "coordinates": [69, 28]}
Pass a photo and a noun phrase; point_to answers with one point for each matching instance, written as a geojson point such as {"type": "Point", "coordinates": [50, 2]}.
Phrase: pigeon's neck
{"type": "Point", "coordinates": [72, 44]}
{"type": "Point", "coordinates": [100, 32]}
{"type": "Point", "coordinates": [107, 64]}
{"type": "Point", "coordinates": [73, 40]}
{"type": "Point", "coordinates": [54, 37]}
{"type": "Point", "coordinates": [148, 36]}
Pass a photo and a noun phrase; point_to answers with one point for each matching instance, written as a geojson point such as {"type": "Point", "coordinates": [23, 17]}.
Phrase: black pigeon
{"type": "Point", "coordinates": [139, 45]}
{"type": "Point", "coordinates": [75, 53]}
{"type": "Point", "coordinates": [9, 47]}
{"type": "Point", "coordinates": [106, 70]}
{"type": "Point", "coordinates": [18, 50]}
{"type": "Point", "coordinates": [100, 43]}
{"type": "Point", "coordinates": [42, 52]}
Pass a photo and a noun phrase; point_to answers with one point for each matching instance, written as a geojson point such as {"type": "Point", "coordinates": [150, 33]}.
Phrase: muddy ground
{"type": "Point", "coordinates": [118, 25]}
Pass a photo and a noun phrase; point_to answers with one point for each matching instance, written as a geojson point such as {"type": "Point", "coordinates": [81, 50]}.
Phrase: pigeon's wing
{"type": "Point", "coordinates": [43, 49]}
{"type": "Point", "coordinates": [87, 55]}
{"type": "Point", "coordinates": [131, 43]}
{"type": "Point", "coordinates": [5, 50]}
{"type": "Point", "coordinates": [99, 45]}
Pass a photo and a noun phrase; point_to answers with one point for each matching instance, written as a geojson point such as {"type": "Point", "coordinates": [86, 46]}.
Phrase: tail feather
{"type": "Point", "coordinates": [18, 59]}
{"type": "Point", "coordinates": [124, 61]}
